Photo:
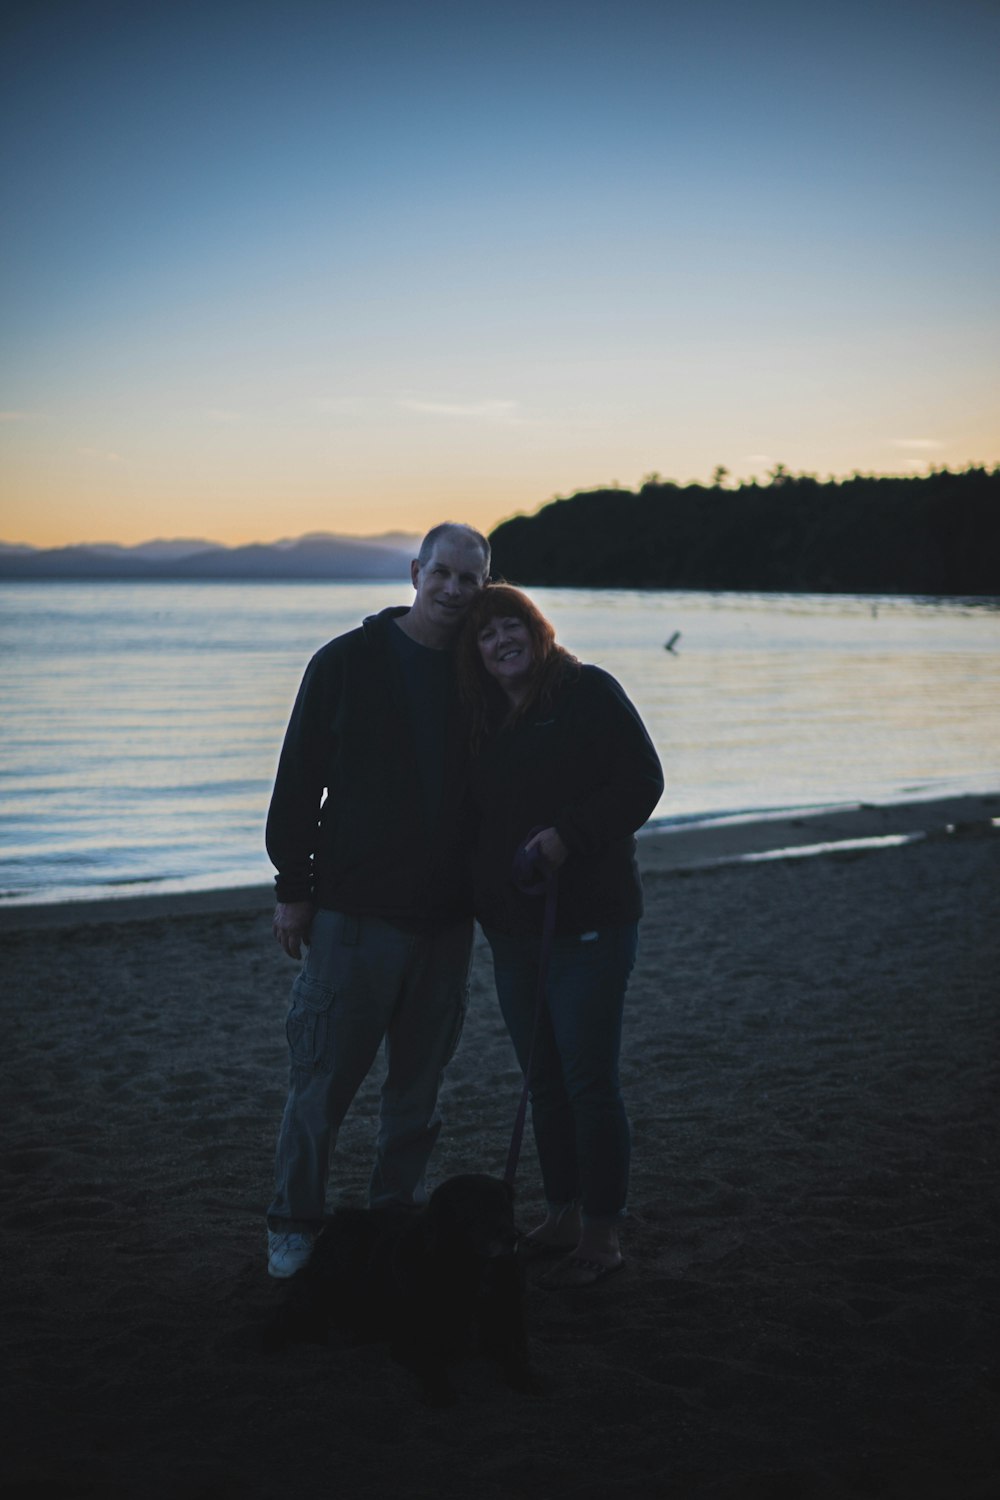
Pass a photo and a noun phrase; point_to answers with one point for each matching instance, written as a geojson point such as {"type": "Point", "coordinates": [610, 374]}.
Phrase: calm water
{"type": "Point", "coordinates": [142, 722]}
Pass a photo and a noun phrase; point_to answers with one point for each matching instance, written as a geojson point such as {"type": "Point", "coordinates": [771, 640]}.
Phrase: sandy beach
{"type": "Point", "coordinates": [811, 1304]}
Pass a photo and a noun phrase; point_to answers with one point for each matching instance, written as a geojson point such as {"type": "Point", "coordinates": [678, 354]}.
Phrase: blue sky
{"type": "Point", "coordinates": [274, 268]}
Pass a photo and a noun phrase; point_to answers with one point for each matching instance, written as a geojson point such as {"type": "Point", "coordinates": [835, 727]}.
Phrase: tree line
{"type": "Point", "coordinates": [934, 534]}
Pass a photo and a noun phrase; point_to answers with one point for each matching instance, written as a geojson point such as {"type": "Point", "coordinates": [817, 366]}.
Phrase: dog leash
{"type": "Point", "coordinates": [529, 879]}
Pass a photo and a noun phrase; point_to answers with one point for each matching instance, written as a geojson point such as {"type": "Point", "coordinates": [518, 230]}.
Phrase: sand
{"type": "Point", "coordinates": [810, 1305]}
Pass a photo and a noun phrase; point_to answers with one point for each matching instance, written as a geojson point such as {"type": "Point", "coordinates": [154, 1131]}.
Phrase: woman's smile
{"type": "Point", "coordinates": [506, 651]}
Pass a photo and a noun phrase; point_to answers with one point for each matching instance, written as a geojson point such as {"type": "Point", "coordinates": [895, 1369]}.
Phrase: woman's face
{"type": "Point", "coordinates": [506, 652]}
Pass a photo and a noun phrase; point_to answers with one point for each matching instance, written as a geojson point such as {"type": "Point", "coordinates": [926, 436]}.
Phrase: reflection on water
{"type": "Point", "coordinates": [142, 722]}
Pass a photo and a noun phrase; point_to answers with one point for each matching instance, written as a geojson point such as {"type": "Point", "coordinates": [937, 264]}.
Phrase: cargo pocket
{"type": "Point", "coordinates": [308, 1024]}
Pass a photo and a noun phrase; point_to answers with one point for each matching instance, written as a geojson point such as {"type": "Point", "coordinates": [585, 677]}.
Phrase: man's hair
{"type": "Point", "coordinates": [436, 534]}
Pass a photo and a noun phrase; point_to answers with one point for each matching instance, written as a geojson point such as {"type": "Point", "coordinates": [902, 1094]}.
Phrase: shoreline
{"type": "Point", "coordinates": [798, 833]}
{"type": "Point", "coordinates": [664, 849]}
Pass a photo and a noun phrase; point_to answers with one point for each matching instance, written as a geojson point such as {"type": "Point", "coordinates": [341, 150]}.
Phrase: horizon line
{"type": "Point", "coordinates": [777, 475]}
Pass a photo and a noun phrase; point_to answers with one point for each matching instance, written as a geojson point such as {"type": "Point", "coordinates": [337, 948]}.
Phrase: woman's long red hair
{"type": "Point", "coordinates": [552, 664]}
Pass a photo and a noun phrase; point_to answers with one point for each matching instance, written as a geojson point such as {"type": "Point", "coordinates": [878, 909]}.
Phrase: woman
{"type": "Point", "coordinates": [564, 766]}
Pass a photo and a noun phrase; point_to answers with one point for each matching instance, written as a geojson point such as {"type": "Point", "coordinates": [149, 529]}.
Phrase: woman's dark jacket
{"type": "Point", "coordinates": [369, 850]}
{"type": "Point", "coordinates": [586, 767]}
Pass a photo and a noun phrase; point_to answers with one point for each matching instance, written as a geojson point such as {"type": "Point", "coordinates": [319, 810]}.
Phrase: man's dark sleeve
{"type": "Point", "coordinates": [293, 817]}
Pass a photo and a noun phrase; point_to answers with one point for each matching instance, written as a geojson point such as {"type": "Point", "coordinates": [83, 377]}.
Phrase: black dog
{"type": "Point", "coordinates": [436, 1283]}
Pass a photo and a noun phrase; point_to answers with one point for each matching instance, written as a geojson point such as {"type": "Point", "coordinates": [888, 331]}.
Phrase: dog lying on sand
{"type": "Point", "coordinates": [437, 1283]}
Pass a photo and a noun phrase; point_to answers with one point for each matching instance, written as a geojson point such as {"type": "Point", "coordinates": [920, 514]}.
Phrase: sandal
{"type": "Point", "coordinates": [577, 1271]}
{"type": "Point", "coordinates": [531, 1248]}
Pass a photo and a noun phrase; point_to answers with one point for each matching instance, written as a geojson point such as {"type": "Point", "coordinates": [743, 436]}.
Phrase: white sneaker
{"type": "Point", "coordinates": [288, 1252]}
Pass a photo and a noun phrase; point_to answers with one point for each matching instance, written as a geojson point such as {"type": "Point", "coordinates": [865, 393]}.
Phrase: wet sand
{"type": "Point", "coordinates": [810, 1305]}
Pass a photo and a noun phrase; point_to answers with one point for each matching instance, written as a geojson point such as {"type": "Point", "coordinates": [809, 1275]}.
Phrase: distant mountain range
{"type": "Point", "coordinates": [320, 555]}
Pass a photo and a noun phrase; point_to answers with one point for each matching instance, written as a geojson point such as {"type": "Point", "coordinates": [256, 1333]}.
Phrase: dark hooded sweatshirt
{"type": "Point", "coordinates": [586, 767]}
{"type": "Point", "coordinates": [384, 843]}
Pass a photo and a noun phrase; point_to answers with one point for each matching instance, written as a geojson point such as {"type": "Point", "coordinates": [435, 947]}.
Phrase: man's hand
{"type": "Point", "coordinates": [549, 848]}
{"type": "Point", "coordinates": [292, 921]}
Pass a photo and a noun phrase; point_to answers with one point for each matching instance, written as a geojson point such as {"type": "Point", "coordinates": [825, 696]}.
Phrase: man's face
{"type": "Point", "coordinates": [448, 582]}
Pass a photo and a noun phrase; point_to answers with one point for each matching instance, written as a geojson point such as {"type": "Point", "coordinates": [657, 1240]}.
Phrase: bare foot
{"type": "Point", "coordinates": [560, 1230]}
{"type": "Point", "coordinates": [599, 1243]}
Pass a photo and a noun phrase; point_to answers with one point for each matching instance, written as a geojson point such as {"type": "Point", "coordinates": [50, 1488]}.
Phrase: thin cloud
{"type": "Point", "coordinates": [484, 411]}
{"type": "Point", "coordinates": [927, 444]}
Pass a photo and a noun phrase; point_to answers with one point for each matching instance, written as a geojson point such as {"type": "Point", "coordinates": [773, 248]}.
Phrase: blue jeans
{"type": "Point", "coordinates": [581, 1129]}
{"type": "Point", "coordinates": [363, 981]}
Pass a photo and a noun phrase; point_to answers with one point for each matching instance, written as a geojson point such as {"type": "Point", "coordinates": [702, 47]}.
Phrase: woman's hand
{"type": "Point", "coordinates": [548, 847]}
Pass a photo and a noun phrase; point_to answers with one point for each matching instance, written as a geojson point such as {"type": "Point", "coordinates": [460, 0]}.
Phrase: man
{"type": "Point", "coordinates": [364, 830]}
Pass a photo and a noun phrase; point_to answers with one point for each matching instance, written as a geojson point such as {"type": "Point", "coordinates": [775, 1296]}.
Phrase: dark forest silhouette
{"type": "Point", "coordinates": [934, 534]}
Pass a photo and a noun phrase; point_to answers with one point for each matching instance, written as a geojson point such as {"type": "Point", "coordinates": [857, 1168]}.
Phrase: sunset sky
{"type": "Point", "coordinates": [270, 268]}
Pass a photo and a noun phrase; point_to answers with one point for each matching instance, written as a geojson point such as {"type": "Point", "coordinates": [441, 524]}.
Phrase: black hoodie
{"type": "Point", "coordinates": [587, 768]}
{"type": "Point", "coordinates": [368, 850]}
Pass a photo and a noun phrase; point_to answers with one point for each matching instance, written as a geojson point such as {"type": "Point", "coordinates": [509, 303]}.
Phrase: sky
{"type": "Point", "coordinates": [273, 268]}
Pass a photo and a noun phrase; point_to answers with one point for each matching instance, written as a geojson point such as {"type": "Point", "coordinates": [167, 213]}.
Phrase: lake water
{"type": "Point", "coordinates": [142, 722]}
